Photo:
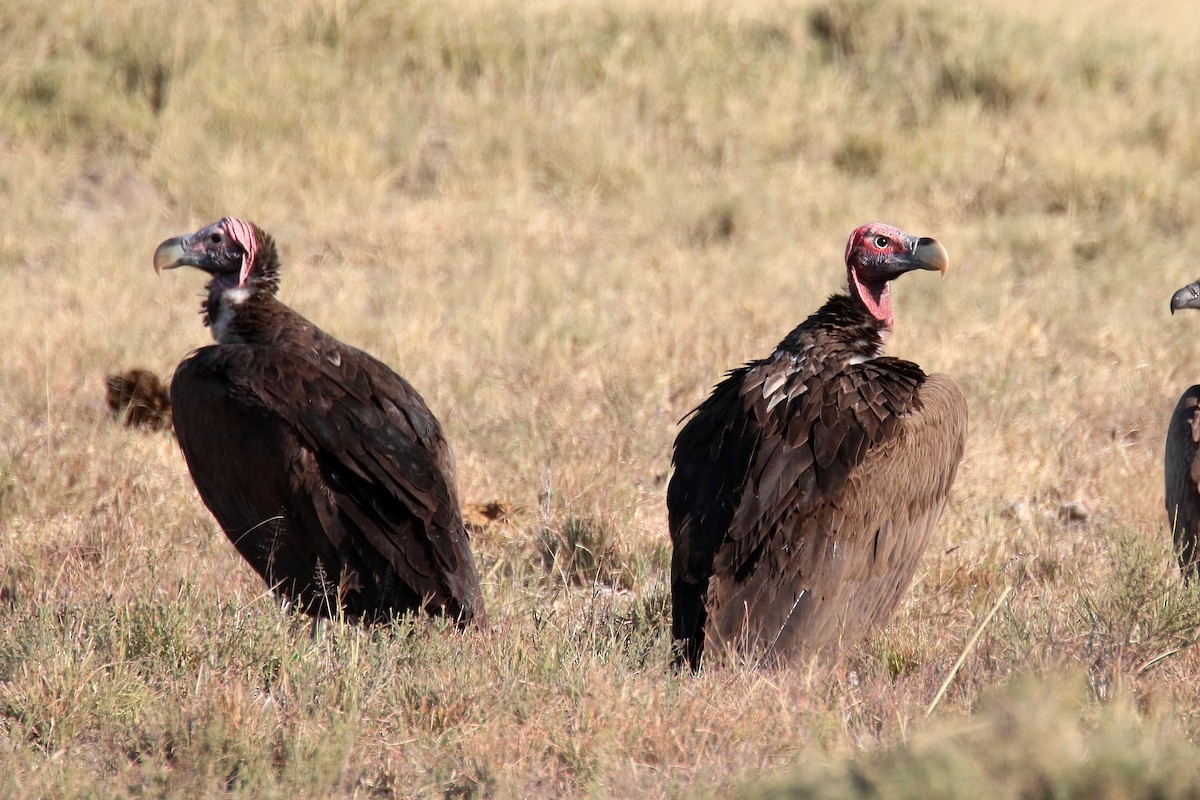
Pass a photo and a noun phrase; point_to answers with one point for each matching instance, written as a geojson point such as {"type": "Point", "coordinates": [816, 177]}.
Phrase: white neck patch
{"type": "Point", "coordinates": [236, 296]}
{"type": "Point", "coordinates": [223, 315]}
{"type": "Point", "coordinates": [861, 344]}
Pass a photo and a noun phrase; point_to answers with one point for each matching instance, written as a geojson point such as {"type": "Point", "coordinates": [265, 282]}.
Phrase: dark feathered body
{"type": "Point", "coordinates": [1181, 463]}
{"type": "Point", "coordinates": [1181, 468]}
{"type": "Point", "coordinates": [324, 467]}
{"type": "Point", "coordinates": [805, 490]}
{"type": "Point", "coordinates": [326, 470]}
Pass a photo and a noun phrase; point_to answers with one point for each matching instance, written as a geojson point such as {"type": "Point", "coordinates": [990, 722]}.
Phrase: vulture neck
{"type": "Point", "coordinates": [239, 313]}
{"type": "Point", "coordinates": [875, 298]}
{"type": "Point", "coordinates": [245, 314]}
{"type": "Point", "coordinates": [843, 325]}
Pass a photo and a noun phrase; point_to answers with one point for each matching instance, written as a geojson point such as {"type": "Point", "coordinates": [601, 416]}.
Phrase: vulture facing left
{"type": "Point", "coordinates": [807, 484]}
{"type": "Point", "coordinates": [325, 468]}
{"type": "Point", "coordinates": [1181, 461]}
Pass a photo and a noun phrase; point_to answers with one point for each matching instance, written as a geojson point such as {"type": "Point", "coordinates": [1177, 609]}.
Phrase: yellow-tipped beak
{"type": "Point", "coordinates": [930, 254]}
{"type": "Point", "coordinates": [170, 254]}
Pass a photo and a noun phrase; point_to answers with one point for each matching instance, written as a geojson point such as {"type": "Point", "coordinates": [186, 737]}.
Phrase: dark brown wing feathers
{"type": "Point", "coordinates": [1181, 469]}
{"type": "Point", "coordinates": [346, 458]}
{"type": "Point", "coordinates": [791, 482]}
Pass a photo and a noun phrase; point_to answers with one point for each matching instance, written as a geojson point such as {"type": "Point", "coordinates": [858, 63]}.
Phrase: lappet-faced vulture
{"type": "Point", "coordinates": [1181, 465]}
{"type": "Point", "coordinates": [324, 467]}
{"type": "Point", "coordinates": [806, 486]}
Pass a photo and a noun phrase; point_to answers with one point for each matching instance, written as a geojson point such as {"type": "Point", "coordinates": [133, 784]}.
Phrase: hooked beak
{"type": "Point", "coordinates": [1187, 297]}
{"type": "Point", "coordinates": [926, 253]}
{"type": "Point", "coordinates": [171, 254]}
{"type": "Point", "coordinates": [179, 252]}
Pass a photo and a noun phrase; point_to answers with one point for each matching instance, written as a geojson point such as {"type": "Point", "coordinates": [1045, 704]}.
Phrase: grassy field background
{"type": "Point", "coordinates": [562, 223]}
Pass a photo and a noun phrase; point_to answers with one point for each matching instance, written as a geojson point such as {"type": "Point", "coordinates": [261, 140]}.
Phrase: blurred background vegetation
{"type": "Point", "coordinates": [562, 222]}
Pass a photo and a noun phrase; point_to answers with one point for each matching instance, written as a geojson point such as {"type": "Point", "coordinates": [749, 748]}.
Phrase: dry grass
{"type": "Point", "coordinates": [562, 223]}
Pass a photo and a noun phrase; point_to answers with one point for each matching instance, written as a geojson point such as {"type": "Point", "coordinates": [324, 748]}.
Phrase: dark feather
{"type": "Point", "coordinates": [1181, 468]}
{"type": "Point", "coordinates": [805, 488]}
{"type": "Point", "coordinates": [324, 467]}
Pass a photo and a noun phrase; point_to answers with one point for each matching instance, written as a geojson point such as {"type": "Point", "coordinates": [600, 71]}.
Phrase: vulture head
{"type": "Point", "coordinates": [1187, 297]}
{"type": "Point", "coordinates": [878, 253]}
{"type": "Point", "coordinates": [236, 253]}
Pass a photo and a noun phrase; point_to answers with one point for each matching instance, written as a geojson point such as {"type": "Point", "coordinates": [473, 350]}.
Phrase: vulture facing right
{"type": "Point", "coordinates": [807, 484]}
{"type": "Point", "coordinates": [325, 468]}
{"type": "Point", "coordinates": [1181, 463]}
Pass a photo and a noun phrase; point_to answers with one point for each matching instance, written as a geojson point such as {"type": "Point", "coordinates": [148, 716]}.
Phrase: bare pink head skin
{"type": "Point", "coordinates": [878, 253]}
{"type": "Point", "coordinates": [236, 253]}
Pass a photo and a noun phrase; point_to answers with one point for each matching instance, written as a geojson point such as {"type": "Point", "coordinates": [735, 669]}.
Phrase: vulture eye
{"type": "Point", "coordinates": [215, 238]}
{"type": "Point", "coordinates": [882, 242]}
